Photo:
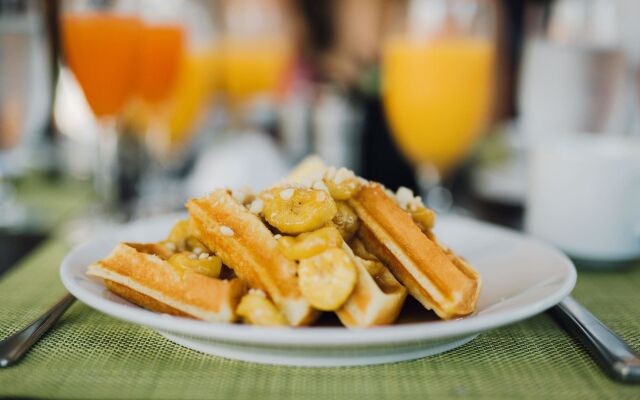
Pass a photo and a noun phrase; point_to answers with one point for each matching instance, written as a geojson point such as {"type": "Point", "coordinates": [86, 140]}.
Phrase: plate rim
{"type": "Point", "coordinates": [320, 336]}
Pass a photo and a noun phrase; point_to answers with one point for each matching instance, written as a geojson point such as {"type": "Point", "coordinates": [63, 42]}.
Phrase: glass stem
{"type": "Point", "coordinates": [435, 196]}
{"type": "Point", "coordinates": [106, 165]}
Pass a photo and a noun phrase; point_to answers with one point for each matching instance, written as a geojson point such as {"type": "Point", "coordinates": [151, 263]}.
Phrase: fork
{"type": "Point", "coordinates": [614, 356]}
{"type": "Point", "coordinates": [13, 348]}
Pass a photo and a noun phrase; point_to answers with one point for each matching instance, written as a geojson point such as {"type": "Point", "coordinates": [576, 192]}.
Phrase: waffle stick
{"type": "Point", "coordinates": [432, 276]}
{"type": "Point", "coordinates": [246, 245]}
{"type": "Point", "coordinates": [377, 297]}
{"type": "Point", "coordinates": [138, 273]}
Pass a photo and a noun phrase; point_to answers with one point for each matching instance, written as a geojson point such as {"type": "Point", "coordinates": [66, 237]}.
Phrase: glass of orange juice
{"type": "Point", "coordinates": [437, 73]}
{"type": "Point", "coordinates": [100, 44]}
{"type": "Point", "coordinates": [258, 52]}
{"type": "Point", "coordinates": [161, 51]}
{"type": "Point", "coordinates": [175, 77]}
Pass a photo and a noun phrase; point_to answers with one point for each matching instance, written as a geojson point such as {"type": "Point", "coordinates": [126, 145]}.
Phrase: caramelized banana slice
{"type": "Point", "coordinates": [346, 220]}
{"type": "Point", "coordinates": [424, 217]}
{"type": "Point", "coordinates": [361, 251]}
{"type": "Point", "coordinates": [204, 264]}
{"type": "Point", "coordinates": [296, 210]}
{"type": "Point", "coordinates": [194, 245]}
{"type": "Point", "coordinates": [342, 183]}
{"type": "Point", "coordinates": [327, 279]}
{"type": "Point", "coordinates": [180, 231]}
{"type": "Point", "coordinates": [256, 309]}
{"type": "Point", "coordinates": [310, 243]}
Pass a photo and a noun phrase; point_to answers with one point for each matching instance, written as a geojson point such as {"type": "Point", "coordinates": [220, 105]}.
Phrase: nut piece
{"type": "Point", "coordinates": [310, 243]}
{"type": "Point", "coordinates": [257, 309]}
{"type": "Point", "coordinates": [209, 266]}
{"type": "Point", "coordinates": [346, 220]}
{"type": "Point", "coordinates": [327, 279]}
{"type": "Point", "coordinates": [297, 210]}
{"type": "Point", "coordinates": [342, 183]}
{"type": "Point", "coordinates": [191, 244]}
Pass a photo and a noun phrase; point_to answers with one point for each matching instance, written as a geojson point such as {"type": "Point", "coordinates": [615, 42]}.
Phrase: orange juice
{"type": "Point", "coordinates": [169, 127]}
{"type": "Point", "coordinates": [161, 48]}
{"type": "Point", "coordinates": [194, 86]}
{"type": "Point", "coordinates": [437, 95]}
{"type": "Point", "coordinates": [101, 49]}
{"type": "Point", "coordinates": [254, 67]}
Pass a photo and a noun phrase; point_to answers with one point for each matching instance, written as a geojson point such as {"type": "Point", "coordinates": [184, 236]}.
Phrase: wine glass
{"type": "Point", "coordinates": [437, 71]}
{"type": "Point", "coordinates": [100, 43]}
{"type": "Point", "coordinates": [258, 52]}
{"type": "Point", "coordinates": [24, 100]}
{"type": "Point", "coordinates": [175, 77]}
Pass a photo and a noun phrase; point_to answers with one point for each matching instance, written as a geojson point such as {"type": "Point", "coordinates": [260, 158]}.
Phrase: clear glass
{"type": "Point", "coordinates": [437, 83]}
{"type": "Point", "coordinates": [258, 53]}
{"type": "Point", "coordinates": [24, 100]}
{"type": "Point", "coordinates": [177, 77]}
{"type": "Point", "coordinates": [572, 78]}
{"type": "Point", "coordinates": [100, 42]}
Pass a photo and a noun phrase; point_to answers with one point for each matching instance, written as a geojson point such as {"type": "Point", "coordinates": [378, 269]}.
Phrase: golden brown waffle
{"type": "Point", "coordinates": [440, 283]}
{"type": "Point", "coordinates": [151, 282]}
{"type": "Point", "coordinates": [245, 244]}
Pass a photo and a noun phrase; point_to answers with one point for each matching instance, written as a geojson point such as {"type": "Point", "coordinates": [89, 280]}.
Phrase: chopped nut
{"type": "Point", "coordinates": [286, 194]}
{"type": "Point", "coordinates": [319, 185]}
{"type": "Point", "coordinates": [404, 196]}
{"type": "Point", "coordinates": [225, 230]}
{"type": "Point", "coordinates": [256, 206]}
{"type": "Point", "coordinates": [257, 292]}
{"type": "Point", "coordinates": [343, 174]}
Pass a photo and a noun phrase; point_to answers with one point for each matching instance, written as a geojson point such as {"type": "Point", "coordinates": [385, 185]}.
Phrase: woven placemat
{"type": "Point", "coordinates": [91, 355]}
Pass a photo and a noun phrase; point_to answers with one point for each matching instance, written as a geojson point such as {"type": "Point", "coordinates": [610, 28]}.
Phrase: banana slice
{"type": "Point", "coordinates": [424, 217]}
{"type": "Point", "coordinates": [361, 251]}
{"type": "Point", "coordinates": [327, 279]}
{"type": "Point", "coordinates": [297, 210]}
{"type": "Point", "coordinates": [346, 220]}
{"type": "Point", "coordinates": [194, 245]}
{"type": "Point", "coordinates": [342, 183]}
{"type": "Point", "coordinates": [256, 309]}
{"type": "Point", "coordinates": [309, 244]}
{"type": "Point", "coordinates": [180, 231]}
{"type": "Point", "coordinates": [204, 264]}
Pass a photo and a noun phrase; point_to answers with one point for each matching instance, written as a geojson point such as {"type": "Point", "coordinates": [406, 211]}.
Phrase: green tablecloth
{"type": "Point", "coordinates": [91, 355]}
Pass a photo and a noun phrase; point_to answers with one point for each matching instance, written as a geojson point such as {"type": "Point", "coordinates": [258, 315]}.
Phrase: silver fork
{"type": "Point", "coordinates": [13, 348]}
{"type": "Point", "coordinates": [613, 354]}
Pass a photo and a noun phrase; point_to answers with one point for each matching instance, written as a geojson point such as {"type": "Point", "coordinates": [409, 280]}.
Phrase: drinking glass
{"type": "Point", "coordinates": [179, 57]}
{"type": "Point", "coordinates": [573, 73]}
{"type": "Point", "coordinates": [258, 51]}
{"type": "Point", "coordinates": [24, 99]}
{"type": "Point", "coordinates": [437, 71]}
{"type": "Point", "coordinates": [101, 47]}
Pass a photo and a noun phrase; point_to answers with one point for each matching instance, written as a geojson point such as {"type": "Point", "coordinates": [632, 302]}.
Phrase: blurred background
{"type": "Point", "coordinates": [112, 110]}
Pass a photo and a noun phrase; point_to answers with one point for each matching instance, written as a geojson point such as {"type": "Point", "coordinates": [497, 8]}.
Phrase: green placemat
{"type": "Point", "coordinates": [91, 355]}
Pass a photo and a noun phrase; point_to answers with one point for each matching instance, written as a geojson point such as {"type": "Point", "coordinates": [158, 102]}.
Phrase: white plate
{"type": "Point", "coordinates": [521, 277]}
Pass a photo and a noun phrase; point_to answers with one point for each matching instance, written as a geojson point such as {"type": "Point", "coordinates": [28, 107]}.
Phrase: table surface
{"type": "Point", "coordinates": [91, 355]}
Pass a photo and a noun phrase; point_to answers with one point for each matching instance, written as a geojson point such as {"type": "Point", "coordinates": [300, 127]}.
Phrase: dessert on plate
{"type": "Point", "coordinates": [322, 240]}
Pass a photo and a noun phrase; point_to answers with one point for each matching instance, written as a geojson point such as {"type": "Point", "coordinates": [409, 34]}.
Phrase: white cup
{"type": "Point", "coordinates": [584, 196]}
